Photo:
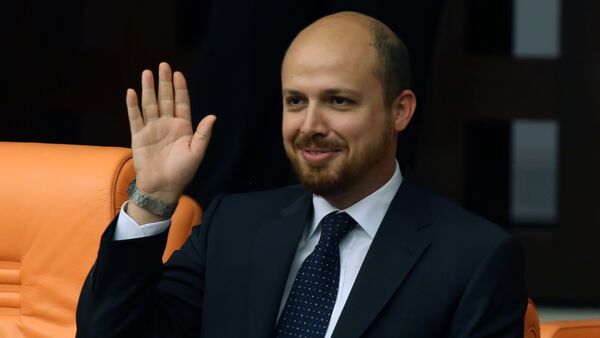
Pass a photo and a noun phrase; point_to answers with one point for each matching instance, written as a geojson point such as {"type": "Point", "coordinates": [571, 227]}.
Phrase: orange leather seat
{"type": "Point", "coordinates": [589, 328]}
{"type": "Point", "coordinates": [532, 321]}
{"type": "Point", "coordinates": [56, 201]}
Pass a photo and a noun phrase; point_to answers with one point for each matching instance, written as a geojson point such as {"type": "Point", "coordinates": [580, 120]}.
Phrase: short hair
{"type": "Point", "coordinates": [393, 68]}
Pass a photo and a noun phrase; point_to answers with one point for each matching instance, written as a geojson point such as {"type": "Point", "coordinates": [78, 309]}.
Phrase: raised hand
{"type": "Point", "coordinates": [166, 150]}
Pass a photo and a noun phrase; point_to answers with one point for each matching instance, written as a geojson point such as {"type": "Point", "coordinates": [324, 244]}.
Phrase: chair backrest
{"type": "Point", "coordinates": [55, 202]}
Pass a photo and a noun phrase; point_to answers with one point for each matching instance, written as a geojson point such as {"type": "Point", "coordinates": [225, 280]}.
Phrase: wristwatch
{"type": "Point", "coordinates": [153, 205]}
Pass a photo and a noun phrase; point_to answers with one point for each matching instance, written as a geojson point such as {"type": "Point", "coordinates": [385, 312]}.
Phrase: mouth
{"type": "Point", "coordinates": [317, 156]}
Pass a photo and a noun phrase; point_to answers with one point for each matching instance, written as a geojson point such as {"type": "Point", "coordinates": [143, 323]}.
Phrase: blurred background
{"type": "Point", "coordinates": [507, 122]}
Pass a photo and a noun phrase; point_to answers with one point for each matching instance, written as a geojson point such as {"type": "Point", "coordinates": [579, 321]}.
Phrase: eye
{"type": "Point", "coordinates": [340, 101]}
{"type": "Point", "coordinates": [294, 100]}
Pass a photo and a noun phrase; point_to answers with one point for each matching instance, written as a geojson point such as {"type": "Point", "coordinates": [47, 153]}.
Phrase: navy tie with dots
{"type": "Point", "coordinates": [308, 308]}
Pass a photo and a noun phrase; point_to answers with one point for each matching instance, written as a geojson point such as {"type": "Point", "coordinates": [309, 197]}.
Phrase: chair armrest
{"type": "Point", "coordinates": [532, 321]}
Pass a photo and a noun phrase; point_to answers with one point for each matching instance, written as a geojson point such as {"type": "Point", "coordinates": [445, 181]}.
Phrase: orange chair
{"type": "Point", "coordinates": [589, 328]}
{"type": "Point", "coordinates": [532, 322]}
{"type": "Point", "coordinates": [56, 201]}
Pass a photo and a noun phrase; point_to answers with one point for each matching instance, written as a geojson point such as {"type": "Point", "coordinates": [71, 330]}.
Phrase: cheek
{"type": "Point", "coordinates": [354, 131]}
{"type": "Point", "coordinates": [289, 127]}
{"type": "Point", "coordinates": [361, 135]}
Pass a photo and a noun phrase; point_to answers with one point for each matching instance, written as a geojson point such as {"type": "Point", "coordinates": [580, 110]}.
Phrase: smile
{"type": "Point", "coordinates": [318, 156]}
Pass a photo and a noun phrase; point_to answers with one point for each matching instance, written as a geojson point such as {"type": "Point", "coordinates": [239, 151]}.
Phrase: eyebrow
{"type": "Point", "coordinates": [290, 92]}
{"type": "Point", "coordinates": [327, 92]}
{"type": "Point", "coordinates": [337, 91]}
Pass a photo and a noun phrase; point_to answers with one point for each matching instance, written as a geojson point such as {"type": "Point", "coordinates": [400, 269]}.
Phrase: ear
{"type": "Point", "coordinates": [403, 109]}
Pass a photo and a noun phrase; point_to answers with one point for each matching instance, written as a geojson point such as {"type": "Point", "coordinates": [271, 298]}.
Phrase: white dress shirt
{"type": "Point", "coordinates": [128, 228]}
{"type": "Point", "coordinates": [368, 213]}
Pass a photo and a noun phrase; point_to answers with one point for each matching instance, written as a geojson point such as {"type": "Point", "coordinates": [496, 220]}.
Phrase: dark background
{"type": "Point", "coordinates": [66, 66]}
{"type": "Point", "coordinates": [72, 62]}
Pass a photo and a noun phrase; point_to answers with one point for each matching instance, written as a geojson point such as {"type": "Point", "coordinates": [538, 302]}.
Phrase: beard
{"type": "Point", "coordinates": [336, 176]}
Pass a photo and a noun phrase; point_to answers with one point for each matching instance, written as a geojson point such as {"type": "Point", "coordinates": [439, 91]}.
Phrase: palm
{"type": "Point", "coordinates": [166, 151]}
{"type": "Point", "coordinates": [162, 148]}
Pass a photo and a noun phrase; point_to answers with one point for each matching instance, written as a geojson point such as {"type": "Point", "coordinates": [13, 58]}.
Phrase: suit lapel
{"type": "Point", "coordinates": [275, 248]}
{"type": "Point", "coordinates": [401, 239]}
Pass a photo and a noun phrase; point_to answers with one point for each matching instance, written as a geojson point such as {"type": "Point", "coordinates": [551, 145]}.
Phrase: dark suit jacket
{"type": "Point", "coordinates": [433, 270]}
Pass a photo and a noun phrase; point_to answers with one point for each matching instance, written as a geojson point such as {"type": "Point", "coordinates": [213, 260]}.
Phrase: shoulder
{"type": "Point", "coordinates": [453, 217]}
{"type": "Point", "coordinates": [464, 242]}
{"type": "Point", "coordinates": [454, 227]}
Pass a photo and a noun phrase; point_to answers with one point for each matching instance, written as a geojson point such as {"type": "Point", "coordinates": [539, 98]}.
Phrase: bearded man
{"type": "Point", "coordinates": [358, 250]}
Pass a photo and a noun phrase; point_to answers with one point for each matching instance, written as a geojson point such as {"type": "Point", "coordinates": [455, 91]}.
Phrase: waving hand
{"type": "Point", "coordinates": [166, 150]}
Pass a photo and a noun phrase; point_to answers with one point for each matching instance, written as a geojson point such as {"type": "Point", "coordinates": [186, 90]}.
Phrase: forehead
{"type": "Point", "coordinates": [335, 58]}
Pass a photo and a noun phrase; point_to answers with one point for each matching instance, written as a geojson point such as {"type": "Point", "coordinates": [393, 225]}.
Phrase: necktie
{"type": "Point", "coordinates": [308, 308]}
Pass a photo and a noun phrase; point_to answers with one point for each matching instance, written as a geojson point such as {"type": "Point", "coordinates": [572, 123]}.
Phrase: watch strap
{"type": "Point", "coordinates": [148, 203]}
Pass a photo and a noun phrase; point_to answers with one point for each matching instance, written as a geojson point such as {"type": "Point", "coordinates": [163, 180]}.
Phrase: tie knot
{"type": "Point", "coordinates": [335, 226]}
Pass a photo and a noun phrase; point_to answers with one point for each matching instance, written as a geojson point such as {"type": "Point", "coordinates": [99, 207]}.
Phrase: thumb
{"type": "Point", "coordinates": [202, 135]}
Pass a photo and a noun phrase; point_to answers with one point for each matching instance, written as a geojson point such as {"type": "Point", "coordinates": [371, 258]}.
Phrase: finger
{"type": "Point", "coordinates": [149, 107]}
{"type": "Point", "coordinates": [133, 112]}
{"type": "Point", "coordinates": [182, 97]}
{"type": "Point", "coordinates": [165, 90]}
{"type": "Point", "coordinates": [202, 136]}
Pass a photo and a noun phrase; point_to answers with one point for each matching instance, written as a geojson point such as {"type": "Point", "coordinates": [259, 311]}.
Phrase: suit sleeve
{"type": "Point", "coordinates": [130, 293]}
{"type": "Point", "coordinates": [495, 300]}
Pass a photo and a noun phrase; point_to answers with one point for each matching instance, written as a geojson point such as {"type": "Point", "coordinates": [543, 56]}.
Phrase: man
{"type": "Point", "coordinates": [359, 250]}
{"type": "Point", "coordinates": [251, 127]}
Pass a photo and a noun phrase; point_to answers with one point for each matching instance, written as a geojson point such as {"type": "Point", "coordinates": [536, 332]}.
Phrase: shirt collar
{"type": "Point", "coordinates": [368, 212]}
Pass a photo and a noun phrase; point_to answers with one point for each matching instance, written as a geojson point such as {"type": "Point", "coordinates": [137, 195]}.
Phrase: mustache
{"type": "Point", "coordinates": [308, 141]}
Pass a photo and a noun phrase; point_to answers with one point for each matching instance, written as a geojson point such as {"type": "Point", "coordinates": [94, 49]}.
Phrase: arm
{"type": "Point", "coordinates": [166, 151]}
{"type": "Point", "coordinates": [495, 301]}
{"type": "Point", "coordinates": [130, 293]}
{"type": "Point", "coordinates": [121, 297]}
{"type": "Point", "coordinates": [127, 228]}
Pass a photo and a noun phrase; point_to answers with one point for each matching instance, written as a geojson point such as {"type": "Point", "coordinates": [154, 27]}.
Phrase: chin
{"type": "Point", "coordinates": [322, 180]}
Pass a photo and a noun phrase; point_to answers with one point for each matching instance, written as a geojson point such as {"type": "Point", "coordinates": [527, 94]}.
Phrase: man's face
{"type": "Point", "coordinates": [336, 129]}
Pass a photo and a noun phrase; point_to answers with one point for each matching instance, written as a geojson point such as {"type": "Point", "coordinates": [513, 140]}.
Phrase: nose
{"type": "Point", "coordinates": [315, 122]}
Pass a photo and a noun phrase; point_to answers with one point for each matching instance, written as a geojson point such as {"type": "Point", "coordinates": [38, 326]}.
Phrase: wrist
{"type": "Point", "coordinates": [158, 190]}
{"type": "Point", "coordinates": [160, 204]}
{"type": "Point", "coordinates": [140, 215]}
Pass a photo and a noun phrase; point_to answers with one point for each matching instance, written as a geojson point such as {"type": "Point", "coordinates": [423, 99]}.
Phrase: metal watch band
{"type": "Point", "coordinates": [153, 205]}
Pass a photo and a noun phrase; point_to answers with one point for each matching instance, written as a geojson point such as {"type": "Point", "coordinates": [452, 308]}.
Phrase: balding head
{"type": "Point", "coordinates": [351, 33]}
{"type": "Point", "coordinates": [344, 104]}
